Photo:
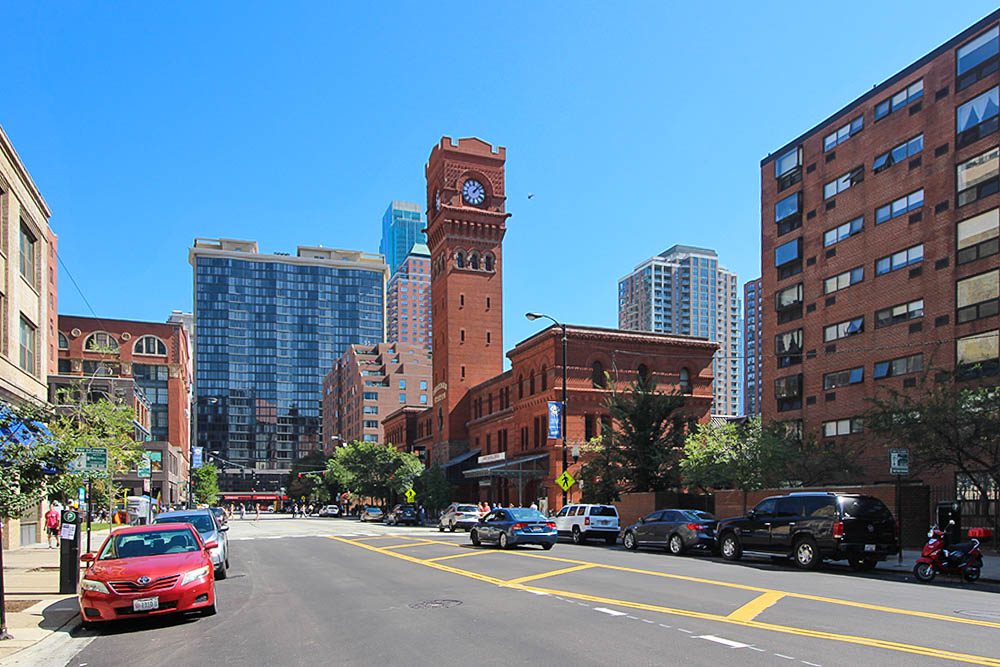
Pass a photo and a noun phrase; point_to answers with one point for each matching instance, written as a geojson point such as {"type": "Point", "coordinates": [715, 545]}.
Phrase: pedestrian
{"type": "Point", "coordinates": [52, 520]}
{"type": "Point", "coordinates": [243, 511]}
{"type": "Point", "coordinates": [421, 515]}
{"type": "Point", "coordinates": [256, 512]}
{"type": "Point", "coordinates": [534, 506]}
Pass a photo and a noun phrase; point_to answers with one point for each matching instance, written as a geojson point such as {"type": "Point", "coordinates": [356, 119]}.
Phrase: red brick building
{"type": "Point", "coordinates": [479, 410]}
{"type": "Point", "coordinates": [879, 244]}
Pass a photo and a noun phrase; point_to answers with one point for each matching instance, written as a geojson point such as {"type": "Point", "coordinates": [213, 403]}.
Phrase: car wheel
{"type": "Point", "coordinates": [440, 527]}
{"type": "Point", "coordinates": [629, 541]}
{"type": "Point", "coordinates": [578, 536]}
{"type": "Point", "coordinates": [210, 611]}
{"type": "Point", "coordinates": [924, 572]}
{"type": "Point", "coordinates": [221, 572]}
{"type": "Point", "coordinates": [610, 540]}
{"type": "Point", "coordinates": [807, 554]}
{"type": "Point", "coordinates": [90, 627]}
{"type": "Point", "coordinates": [862, 564]}
{"type": "Point", "coordinates": [730, 547]}
{"type": "Point", "coordinates": [227, 561]}
{"type": "Point", "coordinates": [676, 545]}
{"type": "Point", "coordinates": [547, 546]}
{"type": "Point", "coordinates": [971, 574]}
{"type": "Point", "coordinates": [474, 536]}
{"type": "Point", "coordinates": [502, 542]}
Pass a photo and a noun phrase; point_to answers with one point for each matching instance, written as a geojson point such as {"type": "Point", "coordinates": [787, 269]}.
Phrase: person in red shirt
{"type": "Point", "coordinates": [52, 520]}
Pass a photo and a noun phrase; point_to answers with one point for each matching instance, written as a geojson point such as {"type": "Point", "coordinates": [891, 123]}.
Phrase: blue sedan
{"type": "Point", "coordinates": [509, 527]}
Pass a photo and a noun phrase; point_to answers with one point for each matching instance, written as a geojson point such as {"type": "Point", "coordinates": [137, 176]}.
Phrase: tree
{"type": "Point", "coordinates": [601, 474]}
{"type": "Point", "coordinates": [301, 483]}
{"type": "Point", "coordinates": [373, 470]}
{"type": "Point", "coordinates": [33, 462]}
{"type": "Point", "coordinates": [433, 489]}
{"type": "Point", "coordinates": [205, 484]}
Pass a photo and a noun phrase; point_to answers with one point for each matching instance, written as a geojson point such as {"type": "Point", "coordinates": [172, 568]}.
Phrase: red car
{"type": "Point", "coordinates": [148, 570]}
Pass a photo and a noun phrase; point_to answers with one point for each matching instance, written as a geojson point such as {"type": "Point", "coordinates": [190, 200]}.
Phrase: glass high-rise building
{"type": "Point", "coordinates": [269, 327]}
{"type": "Point", "coordinates": [683, 290]}
{"type": "Point", "coordinates": [402, 228]}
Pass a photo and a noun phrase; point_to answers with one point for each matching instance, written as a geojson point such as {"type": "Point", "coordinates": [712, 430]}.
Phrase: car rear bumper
{"type": "Point", "coordinates": [101, 607]}
{"type": "Point", "coordinates": [601, 531]}
{"type": "Point", "coordinates": [466, 523]}
{"type": "Point", "coordinates": [858, 550]}
{"type": "Point", "coordinates": [533, 538]}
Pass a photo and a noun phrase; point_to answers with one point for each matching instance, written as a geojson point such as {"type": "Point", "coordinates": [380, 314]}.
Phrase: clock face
{"type": "Point", "coordinates": [473, 192]}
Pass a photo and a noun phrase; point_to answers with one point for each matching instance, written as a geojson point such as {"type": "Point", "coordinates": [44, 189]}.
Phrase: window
{"type": "Point", "coordinates": [488, 337]}
{"type": "Point", "coordinates": [977, 118]}
{"type": "Point", "coordinates": [370, 423]}
{"type": "Point", "coordinates": [898, 154]}
{"type": "Point", "coordinates": [474, 261]}
{"type": "Point", "coordinates": [488, 262]}
{"type": "Point", "coordinates": [402, 384]}
{"type": "Point", "coordinates": [788, 258]}
{"type": "Point", "coordinates": [29, 256]}
{"type": "Point", "coordinates": [900, 366]}
{"type": "Point", "coordinates": [520, 386]}
{"type": "Point", "coordinates": [788, 303]}
{"type": "Point", "coordinates": [978, 236]}
{"type": "Point", "coordinates": [901, 206]}
{"type": "Point", "coordinates": [545, 377]}
{"type": "Point", "coordinates": [461, 335]}
{"type": "Point", "coordinates": [841, 232]}
{"type": "Point", "coordinates": [788, 168]}
{"type": "Point", "coordinates": [423, 399]}
{"type": "Point", "coordinates": [370, 410]}
{"type": "Point", "coordinates": [65, 366]}
{"type": "Point", "coordinates": [460, 260]}
{"type": "Point", "coordinates": [150, 345]}
{"type": "Point", "coordinates": [978, 355]}
{"type": "Point", "coordinates": [788, 213]}
{"type": "Point", "coordinates": [977, 297]}
{"type": "Point", "coordinates": [788, 392]}
{"type": "Point", "coordinates": [978, 177]}
{"type": "Point", "coordinates": [907, 95]}
{"type": "Point", "coordinates": [900, 259]}
{"type": "Point", "coordinates": [844, 329]}
{"type": "Point", "coordinates": [788, 348]}
{"type": "Point", "coordinates": [684, 381]}
{"type": "Point", "coordinates": [29, 335]}
{"type": "Point", "coordinates": [977, 59]}
{"type": "Point", "coordinates": [845, 182]}
{"type": "Point", "coordinates": [371, 395]}
{"type": "Point", "coordinates": [899, 313]}
{"type": "Point", "coordinates": [100, 341]}
{"type": "Point", "coordinates": [597, 376]}
{"type": "Point", "coordinates": [843, 280]}
{"type": "Point", "coordinates": [63, 342]}
{"type": "Point", "coordinates": [844, 133]}
{"type": "Point", "coordinates": [844, 378]}
{"type": "Point", "coordinates": [851, 426]}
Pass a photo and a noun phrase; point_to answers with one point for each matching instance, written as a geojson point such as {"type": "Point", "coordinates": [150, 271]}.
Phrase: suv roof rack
{"type": "Point", "coordinates": [813, 493]}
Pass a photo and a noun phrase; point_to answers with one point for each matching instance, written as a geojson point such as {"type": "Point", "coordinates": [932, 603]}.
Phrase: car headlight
{"type": "Point", "coordinates": [194, 575]}
{"type": "Point", "coordinates": [93, 586]}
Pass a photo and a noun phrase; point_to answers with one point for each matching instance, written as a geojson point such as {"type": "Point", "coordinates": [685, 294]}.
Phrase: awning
{"type": "Point", "coordinates": [513, 468]}
{"type": "Point", "coordinates": [461, 458]}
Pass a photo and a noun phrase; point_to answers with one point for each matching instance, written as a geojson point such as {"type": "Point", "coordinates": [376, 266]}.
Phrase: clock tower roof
{"type": "Point", "coordinates": [468, 146]}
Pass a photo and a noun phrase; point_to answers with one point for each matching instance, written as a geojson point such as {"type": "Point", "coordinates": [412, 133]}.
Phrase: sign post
{"type": "Point", "coordinates": [899, 465]}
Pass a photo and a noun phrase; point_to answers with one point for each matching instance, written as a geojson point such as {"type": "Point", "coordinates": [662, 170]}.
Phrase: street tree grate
{"type": "Point", "coordinates": [435, 604]}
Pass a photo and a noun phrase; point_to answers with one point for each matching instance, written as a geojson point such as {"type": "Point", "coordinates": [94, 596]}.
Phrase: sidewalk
{"type": "Point", "coordinates": [991, 564]}
{"type": "Point", "coordinates": [35, 609]}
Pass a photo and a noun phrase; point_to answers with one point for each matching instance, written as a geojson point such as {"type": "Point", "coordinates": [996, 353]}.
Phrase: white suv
{"type": "Point", "coordinates": [584, 521]}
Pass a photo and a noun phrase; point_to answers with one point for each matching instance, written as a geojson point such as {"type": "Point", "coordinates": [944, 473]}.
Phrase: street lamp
{"type": "Point", "coordinates": [207, 400]}
{"type": "Point", "coordinates": [565, 460]}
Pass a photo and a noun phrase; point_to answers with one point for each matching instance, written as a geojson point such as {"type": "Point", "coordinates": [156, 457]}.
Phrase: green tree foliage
{"type": "Point", "coordinates": [433, 490]}
{"type": "Point", "coordinates": [601, 475]}
{"type": "Point", "coordinates": [205, 484]}
{"type": "Point", "coordinates": [33, 463]}
{"type": "Point", "coordinates": [373, 470]}
{"type": "Point", "coordinates": [312, 486]}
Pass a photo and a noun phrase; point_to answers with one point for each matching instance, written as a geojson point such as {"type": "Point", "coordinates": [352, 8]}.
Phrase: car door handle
{"type": "Point", "coordinates": [767, 525]}
{"type": "Point", "coordinates": [791, 523]}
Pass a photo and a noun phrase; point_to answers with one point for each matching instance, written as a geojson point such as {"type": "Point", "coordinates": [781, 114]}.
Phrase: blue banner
{"type": "Point", "coordinates": [196, 457]}
{"type": "Point", "coordinates": [555, 420]}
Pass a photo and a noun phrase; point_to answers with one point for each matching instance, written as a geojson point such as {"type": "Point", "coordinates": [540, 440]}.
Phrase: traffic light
{"type": "Point", "coordinates": [300, 475]}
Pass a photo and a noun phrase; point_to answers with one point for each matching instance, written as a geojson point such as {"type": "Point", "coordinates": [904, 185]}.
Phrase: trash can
{"type": "Point", "coordinates": [946, 513]}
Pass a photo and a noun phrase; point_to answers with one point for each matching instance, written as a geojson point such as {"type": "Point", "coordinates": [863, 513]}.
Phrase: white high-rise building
{"type": "Point", "coordinates": [683, 290]}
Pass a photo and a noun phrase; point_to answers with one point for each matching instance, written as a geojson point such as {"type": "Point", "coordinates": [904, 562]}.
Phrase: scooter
{"type": "Point", "coordinates": [963, 558]}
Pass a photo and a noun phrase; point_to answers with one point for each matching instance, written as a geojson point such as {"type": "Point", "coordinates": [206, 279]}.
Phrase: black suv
{"type": "Point", "coordinates": [403, 513]}
{"type": "Point", "coordinates": [811, 527]}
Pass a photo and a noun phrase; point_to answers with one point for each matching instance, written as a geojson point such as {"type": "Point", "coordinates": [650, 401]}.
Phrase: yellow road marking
{"type": "Point", "coordinates": [469, 553]}
{"type": "Point", "coordinates": [418, 561]}
{"type": "Point", "coordinates": [379, 537]}
{"type": "Point", "coordinates": [543, 575]}
{"type": "Point", "coordinates": [409, 544]}
{"type": "Point", "coordinates": [752, 609]}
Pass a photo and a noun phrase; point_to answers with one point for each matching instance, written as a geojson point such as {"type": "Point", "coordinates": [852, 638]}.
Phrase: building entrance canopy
{"type": "Point", "coordinates": [513, 469]}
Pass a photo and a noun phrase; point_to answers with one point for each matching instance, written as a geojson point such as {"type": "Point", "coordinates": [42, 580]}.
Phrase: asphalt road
{"type": "Point", "coordinates": [335, 592]}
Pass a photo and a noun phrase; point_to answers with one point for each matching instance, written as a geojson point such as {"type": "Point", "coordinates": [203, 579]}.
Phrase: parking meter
{"type": "Point", "coordinates": [69, 552]}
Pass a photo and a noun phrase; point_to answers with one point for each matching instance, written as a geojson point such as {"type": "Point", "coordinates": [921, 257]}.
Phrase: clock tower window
{"type": "Point", "coordinates": [474, 261]}
{"type": "Point", "coordinates": [460, 260]}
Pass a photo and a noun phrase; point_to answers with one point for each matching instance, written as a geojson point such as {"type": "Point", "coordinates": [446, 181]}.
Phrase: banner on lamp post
{"type": "Point", "coordinates": [555, 420]}
{"type": "Point", "coordinates": [196, 457]}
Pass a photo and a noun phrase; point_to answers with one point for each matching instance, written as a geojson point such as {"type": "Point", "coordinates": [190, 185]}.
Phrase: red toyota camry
{"type": "Point", "coordinates": [148, 570]}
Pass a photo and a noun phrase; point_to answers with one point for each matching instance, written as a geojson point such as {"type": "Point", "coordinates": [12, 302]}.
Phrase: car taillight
{"type": "Point", "coordinates": [586, 520]}
{"type": "Point", "coordinates": [838, 528]}
{"type": "Point", "coordinates": [550, 524]}
{"type": "Point", "coordinates": [519, 526]}
{"type": "Point", "coordinates": [696, 526]}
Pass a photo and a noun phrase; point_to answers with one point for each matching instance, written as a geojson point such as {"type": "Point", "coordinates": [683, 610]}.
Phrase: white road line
{"type": "Point", "coordinates": [632, 618]}
{"type": "Point", "coordinates": [687, 631]}
{"type": "Point", "coordinates": [664, 626]}
{"type": "Point", "coordinates": [723, 641]}
{"type": "Point", "coordinates": [754, 648]}
{"type": "Point", "coordinates": [609, 612]}
{"type": "Point", "coordinates": [811, 664]}
{"type": "Point", "coordinates": [786, 657]}
{"type": "Point", "coordinates": [646, 620]}
{"type": "Point", "coordinates": [537, 592]}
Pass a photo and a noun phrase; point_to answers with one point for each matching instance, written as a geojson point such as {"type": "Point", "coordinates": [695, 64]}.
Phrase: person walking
{"type": "Point", "coordinates": [52, 521]}
{"type": "Point", "coordinates": [256, 512]}
{"type": "Point", "coordinates": [243, 511]}
{"type": "Point", "coordinates": [421, 515]}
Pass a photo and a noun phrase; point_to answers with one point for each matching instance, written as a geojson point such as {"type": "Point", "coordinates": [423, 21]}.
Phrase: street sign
{"type": "Point", "coordinates": [411, 495]}
{"type": "Point", "coordinates": [565, 481]}
{"type": "Point", "coordinates": [899, 461]}
{"type": "Point", "coordinates": [145, 467]}
{"type": "Point", "coordinates": [90, 459]}
{"type": "Point", "coordinates": [491, 458]}
{"type": "Point", "coordinates": [196, 457]}
{"type": "Point", "coordinates": [555, 420]}
{"type": "Point", "coordinates": [82, 495]}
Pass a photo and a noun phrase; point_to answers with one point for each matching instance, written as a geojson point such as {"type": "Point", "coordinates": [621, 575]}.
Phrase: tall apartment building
{"type": "Point", "coordinates": [408, 300]}
{"type": "Point", "coordinates": [402, 228]}
{"type": "Point", "coordinates": [880, 243]}
{"type": "Point", "coordinates": [684, 291]}
{"type": "Point", "coordinates": [269, 327]}
{"type": "Point", "coordinates": [752, 350]}
{"type": "Point", "coordinates": [370, 382]}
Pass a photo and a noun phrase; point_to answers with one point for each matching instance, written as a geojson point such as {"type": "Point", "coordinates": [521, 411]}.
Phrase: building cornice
{"type": "Point", "coordinates": [11, 154]}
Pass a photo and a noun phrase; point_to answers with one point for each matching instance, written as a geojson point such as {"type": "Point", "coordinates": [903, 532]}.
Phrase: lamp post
{"type": "Point", "coordinates": [565, 458]}
{"type": "Point", "coordinates": [208, 400]}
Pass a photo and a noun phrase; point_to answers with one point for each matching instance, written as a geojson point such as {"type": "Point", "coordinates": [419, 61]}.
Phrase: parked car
{"type": "Point", "coordinates": [581, 522]}
{"type": "Point", "coordinates": [330, 510]}
{"type": "Point", "coordinates": [517, 525]}
{"type": "Point", "coordinates": [677, 530]}
{"type": "Point", "coordinates": [148, 570]}
{"type": "Point", "coordinates": [371, 514]}
{"type": "Point", "coordinates": [402, 513]}
{"type": "Point", "coordinates": [210, 530]}
{"type": "Point", "coordinates": [459, 515]}
{"type": "Point", "coordinates": [812, 527]}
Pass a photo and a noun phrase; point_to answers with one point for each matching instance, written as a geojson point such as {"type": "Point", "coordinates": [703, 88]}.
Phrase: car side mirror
{"type": "Point", "coordinates": [642, 519]}
{"type": "Point", "coordinates": [88, 558]}
{"type": "Point", "coordinates": [951, 522]}
{"type": "Point", "coordinates": [752, 513]}
{"type": "Point", "coordinates": [223, 528]}
{"type": "Point", "coordinates": [211, 545]}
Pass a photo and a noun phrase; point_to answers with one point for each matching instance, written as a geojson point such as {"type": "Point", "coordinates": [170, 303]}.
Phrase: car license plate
{"type": "Point", "coordinates": [869, 547]}
{"type": "Point", "coordinates": [145, 604]}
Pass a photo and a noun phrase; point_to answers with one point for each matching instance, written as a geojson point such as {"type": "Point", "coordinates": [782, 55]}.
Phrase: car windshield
{"type": "Point", "coordinates": [699, 515]}
{"type": "Point", "coordinates": [466, 508]}
{"type": "Point", "coordinates": [865, 508]}
{"type": "Point", "coordinates": [202, 522]}
{"type": "Point", "coordinates": [525, 514]}
{"type": "Point", "coordinates": [603, 510]}
{"type": "Point", "coordinates": [152, 543]}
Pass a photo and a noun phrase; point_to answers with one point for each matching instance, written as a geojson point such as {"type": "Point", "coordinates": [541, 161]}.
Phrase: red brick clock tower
{"type": "Point", "coordinates": [466, 224]}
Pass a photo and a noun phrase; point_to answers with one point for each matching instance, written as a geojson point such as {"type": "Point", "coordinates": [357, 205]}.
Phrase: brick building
{"type": "Point", "coordinates": [478, 409]}
{"type": "Point", "coordinates": [154, 357]}
{"type": "Point", "coordinates": [408, 300]}
{"type": "Point", "coordinates": [879, 243]}
{"type": "Point", "coordinates": [752, 347]}
{"type": "Point", "coordinates": [369, 382]}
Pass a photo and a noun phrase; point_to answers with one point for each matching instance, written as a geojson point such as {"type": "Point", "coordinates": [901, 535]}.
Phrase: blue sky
{"type": "Point", "coordinates": [636, 126]}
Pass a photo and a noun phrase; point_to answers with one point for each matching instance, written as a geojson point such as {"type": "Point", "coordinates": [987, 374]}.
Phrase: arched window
{"type": "Point", "coordinates": [474, 261]}
{"type": "Point", "coordinates": [531, 384]}
{"type": "Point", "coordinates": [151, 345]}
{"type": "Point", "coordinates": [100, 341]}
{"type": "Point", "coordinates": [597, 375]}
{"type": "Point", "coordinates": [545, 378]}
{"type": "Point", "coordinates": [488, 261]}
{"type": "Point", "coordinates": [63, 342]}
{"type": "Point", "coordinates": [643, 372]}
{"type": "Point", "coordinates": [520, 386]}
{"type": "Point", "coordinates": [460, 260]}
{"type": "Point", "coordinates": [685, 381]}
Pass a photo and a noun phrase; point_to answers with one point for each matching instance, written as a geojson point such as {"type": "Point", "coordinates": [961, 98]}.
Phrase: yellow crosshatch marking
{"type": "Point", "coordinates": [744, 616]}
{"type": "Point", "coordinates": [423, 543]}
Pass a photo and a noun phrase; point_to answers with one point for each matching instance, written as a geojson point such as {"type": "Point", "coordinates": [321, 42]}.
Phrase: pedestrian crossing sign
{"type": "Point", "coordinates": [411, 495]}
{"type": "Point", "coordinates": [565, 481]}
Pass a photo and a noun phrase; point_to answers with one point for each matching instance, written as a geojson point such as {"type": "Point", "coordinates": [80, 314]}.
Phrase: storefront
{"type": "Point", "coordinates": [512, 481]}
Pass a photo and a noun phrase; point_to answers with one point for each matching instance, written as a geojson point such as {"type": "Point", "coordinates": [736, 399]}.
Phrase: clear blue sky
{"type": "Point", "coordinates": [636, 125]}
